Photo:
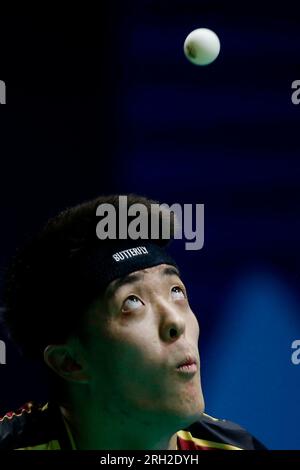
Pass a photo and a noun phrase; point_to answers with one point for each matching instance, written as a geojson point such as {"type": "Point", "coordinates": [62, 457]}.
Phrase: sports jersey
{"type": "Point", "coordinates": [43, 427]}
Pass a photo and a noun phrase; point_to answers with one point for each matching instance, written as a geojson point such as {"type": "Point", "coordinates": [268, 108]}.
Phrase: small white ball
{"type": "Point", "coordinates": [202, 46]}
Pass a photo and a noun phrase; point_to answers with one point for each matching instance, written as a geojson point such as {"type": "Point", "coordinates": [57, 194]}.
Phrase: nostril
{"type": "Point", "coordinates": [173, 332]}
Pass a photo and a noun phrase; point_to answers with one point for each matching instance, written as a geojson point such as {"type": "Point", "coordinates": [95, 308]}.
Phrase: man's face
{"type": "Point", "coordinates": [138, 335]}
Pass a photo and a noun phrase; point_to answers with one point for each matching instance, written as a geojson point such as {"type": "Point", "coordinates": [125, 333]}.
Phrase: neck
{"type": "Point", "coordinates": [114, 427]}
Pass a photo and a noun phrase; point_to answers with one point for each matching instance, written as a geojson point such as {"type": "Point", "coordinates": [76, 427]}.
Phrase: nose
{"type": "Point", "coordinates": [171, 322]}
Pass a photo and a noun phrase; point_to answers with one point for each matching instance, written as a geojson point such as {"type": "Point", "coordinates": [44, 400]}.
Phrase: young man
{"type": "Point", "coordinates": [112, 320]}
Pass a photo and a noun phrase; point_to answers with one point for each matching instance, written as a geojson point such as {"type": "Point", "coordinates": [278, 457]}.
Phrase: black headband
{"type": "Point", "coordinates": [120, 258]}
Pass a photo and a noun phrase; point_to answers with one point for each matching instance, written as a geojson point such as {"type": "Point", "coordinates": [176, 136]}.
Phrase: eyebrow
{"type": "Point", "coordinates": [136, 277]}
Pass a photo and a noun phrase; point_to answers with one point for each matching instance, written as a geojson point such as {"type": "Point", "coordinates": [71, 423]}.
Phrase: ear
{"type": "Point", "coordinates": [67, 363]}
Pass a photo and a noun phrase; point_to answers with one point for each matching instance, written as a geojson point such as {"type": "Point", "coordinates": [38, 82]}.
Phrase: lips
{"type": "Point", "coordinates": [187, 362]}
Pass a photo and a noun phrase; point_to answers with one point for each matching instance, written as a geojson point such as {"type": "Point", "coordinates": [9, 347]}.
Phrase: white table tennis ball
{"type": "Point", "coordinates": [202, 46]}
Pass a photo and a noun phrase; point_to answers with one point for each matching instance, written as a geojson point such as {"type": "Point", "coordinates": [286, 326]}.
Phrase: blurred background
{"type": "Point", "coordinates": [102, 100]}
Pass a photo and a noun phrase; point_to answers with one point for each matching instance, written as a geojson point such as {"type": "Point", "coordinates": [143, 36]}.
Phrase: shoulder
{"type": "Point", "coordinates": [213, 433]}
{"type": "Point", "coordinates": [31, 426]}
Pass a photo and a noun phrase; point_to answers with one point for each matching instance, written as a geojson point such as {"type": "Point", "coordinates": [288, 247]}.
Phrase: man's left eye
{"type": "Point", "coordinates": [177, 293]}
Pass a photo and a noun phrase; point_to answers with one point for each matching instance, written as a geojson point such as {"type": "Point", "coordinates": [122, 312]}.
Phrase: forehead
{"type": "Point", "coordinates": [143, 275]}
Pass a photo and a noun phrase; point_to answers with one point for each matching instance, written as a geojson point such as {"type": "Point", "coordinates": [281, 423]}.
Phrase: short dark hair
{"type": "Point", "coordinates": [45, 298]}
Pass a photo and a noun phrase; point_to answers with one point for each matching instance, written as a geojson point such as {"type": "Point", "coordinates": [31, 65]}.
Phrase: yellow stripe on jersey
{"type": "Point", "coordinates": [10, 416]}
{"type": "Point", "coordinates": [73, 446]}
{"type": "Point", "coordinates": [211, 417]}
{"type": "Point", "coordinates": [187, 436]}
{"type": "Point", "coordinates": [51, 445]}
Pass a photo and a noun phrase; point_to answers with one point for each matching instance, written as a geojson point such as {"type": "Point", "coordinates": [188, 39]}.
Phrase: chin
{"type": "Point", "coordinates": [194, 413]}
{"type": "Point", "coordinates": [189, 412]}
{"type": "Point", "coordinates": [192, 405]}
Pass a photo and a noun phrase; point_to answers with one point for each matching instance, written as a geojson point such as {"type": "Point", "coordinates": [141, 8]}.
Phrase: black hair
{"type": "Point", "coordinates": [45, 297]}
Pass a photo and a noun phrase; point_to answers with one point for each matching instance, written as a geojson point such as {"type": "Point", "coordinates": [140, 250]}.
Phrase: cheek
{"type": "Point", "coordinates": [194, 326]}
{"type": "Point", "coordinates": [122, 349]}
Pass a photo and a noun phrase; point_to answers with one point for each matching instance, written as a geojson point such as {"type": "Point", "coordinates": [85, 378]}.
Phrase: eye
{"type": "Point", "coordinates": [177, 293]}
{"type": "Point", "coordinates": [131, 303]}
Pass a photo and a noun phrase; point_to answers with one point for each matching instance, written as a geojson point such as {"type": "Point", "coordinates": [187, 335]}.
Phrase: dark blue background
{"type": "Point", "coordinates": [102, 101]}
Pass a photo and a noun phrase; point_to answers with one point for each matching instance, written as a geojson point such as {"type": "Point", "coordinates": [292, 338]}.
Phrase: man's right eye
{"type": "Point", "coordinates": [131, 303]}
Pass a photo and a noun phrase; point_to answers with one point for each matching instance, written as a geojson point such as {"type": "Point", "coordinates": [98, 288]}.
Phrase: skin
{"type": "Point", "coordinates": [124, 389]}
